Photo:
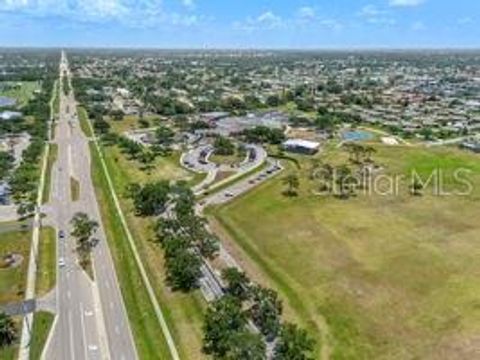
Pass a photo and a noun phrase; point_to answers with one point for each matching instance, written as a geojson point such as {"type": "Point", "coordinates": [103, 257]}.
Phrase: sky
{"type": "Point", "coordinates": [298, 24]}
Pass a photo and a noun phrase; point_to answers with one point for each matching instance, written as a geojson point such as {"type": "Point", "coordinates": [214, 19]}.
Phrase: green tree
{"type": "Point", "coordinates": [293, 344]}
{"type": "Point", "coordinates": [164, 136]}
{"type": "Point", "coordinates": [150, 199]}
{"type": "Point", "coordinates": [238, 284]}
{"type": "Point", "coordinates": [223, 320]}
{"type": "Point", "coordinates": [224, 146]}
{"type": "Point", "coordinates": [266, 311]}
{"type": "Point", "coordinates": [83, 230]}
{"type": "Point", "coordinates": [183, 267]}
{"type": "Point", "coordinates": [6, 164]}
{"type": "Point", "coordinates": [246, 345]}
{"type": "Point", "coordinates": [8, 331]}
{"type": "Point", "coordinates": [292, 182]}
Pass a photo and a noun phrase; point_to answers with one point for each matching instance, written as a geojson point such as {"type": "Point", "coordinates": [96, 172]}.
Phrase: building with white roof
{"type": "Point", "coordinates": [301, 146]}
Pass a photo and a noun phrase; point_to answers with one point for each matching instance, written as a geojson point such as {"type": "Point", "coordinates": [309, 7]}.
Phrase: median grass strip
{"type": "Point", "coordinates": [149, 339]}
{"type": "Point", "coordinates": [46, 274]}
{"type": "Point", "coordinates": [51, 158]}
{"type": "Point", "coordinates": [74, 189]}
{"type": "Point", "coordinates": [42, 323]}
{"type": "Point", "coordinates": [83, 119]}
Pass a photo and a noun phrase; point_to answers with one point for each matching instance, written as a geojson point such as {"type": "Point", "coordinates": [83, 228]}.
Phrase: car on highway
{"type": "Point", "coordinates": [61, 234]}
{"type": "Point", "coordinates": [229, 194]}
{"type": "Point", "coordinates": [61, 262]}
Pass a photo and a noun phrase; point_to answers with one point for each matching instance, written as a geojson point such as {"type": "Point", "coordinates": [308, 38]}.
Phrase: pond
{"type": "Point", "coordinates": [6, 101]}
{"type": "Point", "coordinates": [357, 135]}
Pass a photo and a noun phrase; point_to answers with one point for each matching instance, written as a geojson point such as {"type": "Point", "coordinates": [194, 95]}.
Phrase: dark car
{"type": "Point", "coordinates": [61, 234]}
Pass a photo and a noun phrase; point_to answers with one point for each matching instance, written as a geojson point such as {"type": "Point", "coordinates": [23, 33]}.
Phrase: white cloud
{"type": "Point", "coordinates": [371, 11]}
{"type": "Point", "coordinates": [373, 15]}
{"type": "Point", "coordinates": [138, 13]}
{"type": "Point", "coordinates": [306, 13]}
{"type": "Point", "coordinates": [406, 3]}
{"type": "Point", "coordinates": [190, 4]}
{"type": "Point", "coordinates": [265, 21]}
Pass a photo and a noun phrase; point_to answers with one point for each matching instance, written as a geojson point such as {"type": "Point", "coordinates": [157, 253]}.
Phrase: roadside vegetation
{"type": "Point", "coordinates": [147, 333]}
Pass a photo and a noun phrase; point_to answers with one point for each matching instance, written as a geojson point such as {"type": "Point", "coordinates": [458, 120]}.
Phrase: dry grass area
{"type": "Point", "coordinates": [393, 277]}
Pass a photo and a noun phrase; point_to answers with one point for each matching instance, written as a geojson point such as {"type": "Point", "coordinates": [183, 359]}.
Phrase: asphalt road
{"type": "Point", "coordinates": [91, 319]}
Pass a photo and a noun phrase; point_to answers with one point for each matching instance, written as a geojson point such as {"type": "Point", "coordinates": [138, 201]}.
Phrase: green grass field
{"type": "Point", "coordinates": [372, 277]}
{"type": "Point", "coordinates": [52, 157]}
{"type": "Point", "coordinates": [42, 323]}
{"type": "Point", "coordinates": [13, 280]}
{"type": "Point", "coordinates": [83, 118]}
{"type": "Point", "coordinates": [183, 312]}
{"type": "Point", "coordinates": [22, 92]}
{"type": "Point", "coordinates": [46, 275]}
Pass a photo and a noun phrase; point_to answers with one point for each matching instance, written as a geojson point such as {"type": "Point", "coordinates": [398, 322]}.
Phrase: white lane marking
{"type": "Point", "coordinates": [84, 334]}
{"type": "Point", "coordinates": [70, 329]}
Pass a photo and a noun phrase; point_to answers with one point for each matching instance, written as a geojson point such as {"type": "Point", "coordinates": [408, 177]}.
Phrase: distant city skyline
{"type": "Point", "coordinates": [280, 24]}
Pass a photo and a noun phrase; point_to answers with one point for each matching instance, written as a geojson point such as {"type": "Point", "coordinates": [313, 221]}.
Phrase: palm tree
{"type": "Point", "coordinates": [293, 183]}
{"type": "Point", "coordinates": [8, 331]}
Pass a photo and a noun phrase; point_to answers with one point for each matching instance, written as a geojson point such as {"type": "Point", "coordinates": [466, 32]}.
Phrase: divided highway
{"type": "Point", "coordinates": [91, 320]}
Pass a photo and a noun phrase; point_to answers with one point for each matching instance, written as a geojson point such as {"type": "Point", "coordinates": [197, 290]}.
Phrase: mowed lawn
{"type": "Point", "coordinates": [22, 92]}
{"type": "Point", "coordinates": [13, 280]}
{"type": "Point", "coordinates": [393, 277]}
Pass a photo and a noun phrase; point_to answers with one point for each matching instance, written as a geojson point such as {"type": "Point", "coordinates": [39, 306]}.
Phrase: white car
{"type": "Point", "coordinates": [61, 262]}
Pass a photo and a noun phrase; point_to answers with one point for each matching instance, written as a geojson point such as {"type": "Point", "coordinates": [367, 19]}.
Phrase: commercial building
{"type": "Point", "coordinates": [301, 146]}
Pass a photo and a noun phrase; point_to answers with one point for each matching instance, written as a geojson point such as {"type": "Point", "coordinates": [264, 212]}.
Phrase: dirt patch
{"type": "Point", "coordinates": [11, 261]}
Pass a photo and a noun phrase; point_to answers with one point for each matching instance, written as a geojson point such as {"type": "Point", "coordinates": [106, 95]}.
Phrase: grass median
{"type": "Point", "coordinates": [74, 189]}
{"type": "Point", "coordinates": [83, 119]}
{"type": "Point", "coordinates": [42, 323]}
{"type": "Point", "coordinates": [46, 276]}
{"type": "Point", "coordinates": [51, 158]}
